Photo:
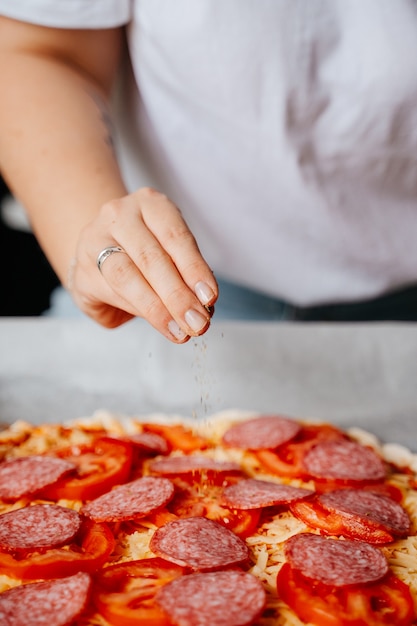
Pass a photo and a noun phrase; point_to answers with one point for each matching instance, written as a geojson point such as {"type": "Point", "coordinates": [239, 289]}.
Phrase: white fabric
{"type": "Point", "coordinates": [69, 13]}
{"type": "Point", "coordinates": [285, 130]}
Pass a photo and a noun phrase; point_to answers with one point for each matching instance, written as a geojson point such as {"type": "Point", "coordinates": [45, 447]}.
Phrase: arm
{"type": "Point", "coordinates": [56, 155]}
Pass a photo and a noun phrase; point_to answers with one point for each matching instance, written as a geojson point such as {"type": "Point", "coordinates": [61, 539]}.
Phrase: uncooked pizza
{"type": "Point", "coordinates": [237, 519]}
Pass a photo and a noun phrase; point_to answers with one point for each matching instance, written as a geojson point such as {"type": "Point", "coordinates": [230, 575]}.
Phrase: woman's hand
{"type": "Point", "coordinates": [160, 274]}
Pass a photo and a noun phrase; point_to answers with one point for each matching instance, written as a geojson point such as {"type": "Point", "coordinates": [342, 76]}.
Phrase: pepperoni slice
{"type": "Point", "coordinates": [151, 443]}
{"type": "Point", "coordinates": [130, 501]}
{"type": "Point", "coordinates": [229, 598]}
{"type": "Point", "coordinates": [254, 494]}
{"type": "Point", "coordinates": [265, 432]}
{"type": "Point", "coordinates": [343, 460]}
{"type": "Point", "coordinates": [38, 527]}
{"type": "Point", "coordinates": [369, 508]}
{"type": "Point", "coordinates": [338, 562]}
{"type": "Point", "coordinates": [26, 475]}
{"type": "Point", "coordinates": [199, 543]}
{"type": "Point", "coordinates": [57, 602]}
{"type": "Point", "coordinates": [191, 464]}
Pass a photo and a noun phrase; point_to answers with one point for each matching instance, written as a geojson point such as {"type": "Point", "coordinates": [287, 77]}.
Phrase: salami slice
{"type": "Point", "coordinates": [265, 432]}
{"type": "Point", "coordinates": [228, 598]}
{"type": "Point", "coordinates": [149, 442]}
{"type": "Point", "coordinates": [369, 508]}
{"type": "Point", "coordinates": [190, 464]}
{"type": "Point", "coordinates": [38, 527]}
{"type": "Point", "coordinates": [27, 475]}
{"type": "Point", "coordinates": [57, 602]}
{"type": "Point", "coordinates": [338, 562]}
{"type": "Point", "coordinates": [130, 501]}
{"type": "Point", "coordinates": [199, 543]}
{"type": "Point", "coordinates": [343, 460]}
{"type": "Point", "coordinates": [253, 494]}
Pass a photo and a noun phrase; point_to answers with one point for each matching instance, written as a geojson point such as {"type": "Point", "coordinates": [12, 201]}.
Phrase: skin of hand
{"type": "Point", "coordinates": [57, 157]}
{"type": "Point", "coordinates": [162, 277]}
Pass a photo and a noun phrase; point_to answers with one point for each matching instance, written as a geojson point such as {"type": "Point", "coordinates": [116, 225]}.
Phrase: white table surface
{"type": "Point", "coordinates": [352, 375]}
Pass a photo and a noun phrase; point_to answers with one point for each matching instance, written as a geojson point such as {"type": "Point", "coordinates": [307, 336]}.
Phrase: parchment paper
{"type": "Point", "coordinates": [352, 375]}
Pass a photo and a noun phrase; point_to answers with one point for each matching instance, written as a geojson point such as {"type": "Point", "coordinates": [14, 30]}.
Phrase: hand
{"type": "Point", "coordinates": [161, 275]}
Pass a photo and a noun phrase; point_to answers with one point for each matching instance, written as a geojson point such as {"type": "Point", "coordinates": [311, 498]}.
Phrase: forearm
{"type": "Point", "coordinates": [56, 154]}
{"type": "Point", "coordinates": [56, 149]}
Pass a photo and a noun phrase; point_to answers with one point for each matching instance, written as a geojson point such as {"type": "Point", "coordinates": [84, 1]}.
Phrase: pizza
{"type": "Point", "coordinates": [236, 519]}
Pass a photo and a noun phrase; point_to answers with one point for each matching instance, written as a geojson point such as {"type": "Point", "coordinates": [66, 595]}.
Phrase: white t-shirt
{"type": "Point", "coordinates": [286, 131]}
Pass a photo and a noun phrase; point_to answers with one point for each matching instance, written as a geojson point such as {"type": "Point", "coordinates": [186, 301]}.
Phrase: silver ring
{"type": "Point", "coordinates": [104, 254]}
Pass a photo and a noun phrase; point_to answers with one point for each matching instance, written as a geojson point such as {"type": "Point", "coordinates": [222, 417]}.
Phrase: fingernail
{"type": "Point", "coordinates": [195, 320]}
{"type": "Point", "coordinates": [176, 331]}
{"type": "Point", "coordinates": [203, 292]}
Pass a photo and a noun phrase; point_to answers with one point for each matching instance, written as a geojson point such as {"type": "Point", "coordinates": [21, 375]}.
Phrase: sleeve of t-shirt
{"type": "Point", "coordinates": [69, 13]}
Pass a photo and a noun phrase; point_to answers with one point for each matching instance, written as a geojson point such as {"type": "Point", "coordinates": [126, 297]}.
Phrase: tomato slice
{"type": "Point", "coordinates": [100, 466]}
{"type": "Point", "coordinates": [87, 554]}
{"type": "Point", "coordinates": [124, 593]}
{"type": "Point", "coordinates": [287, 460]}
{"type": "Point", "coordinates": [178, 437]}
{"type": "Point", "coordinates": [384, 603]}
{"type": "Point", "coordinates": [203, 499]}
{"type": "Point", "coordinates": [314, 515]}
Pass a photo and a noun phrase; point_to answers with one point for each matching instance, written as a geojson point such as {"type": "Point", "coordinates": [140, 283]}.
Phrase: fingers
{"type": "Point", "coordinates": [167, 256]}
{"type": "Point", "coordinates": [111, 309]}
{"type": "Point", "coordinates": [161, 275]}
{"type": "Point", "coordinates": [174, 236]}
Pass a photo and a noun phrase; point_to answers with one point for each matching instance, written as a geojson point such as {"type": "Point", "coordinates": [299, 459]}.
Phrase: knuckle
{"type": "Point", "coordinates": [108, 316]}
{"type": "Point", "coordinates": [107, 320]}
{"type": "Point", "coordinates": [175, 297]}
{"type": "Point", "coordinates": [112, 209]}
{"type": "Point", "coordinates": [152, 309]}
{"type": "Point", "coordinates": [148, 309]}
{"type": "Point", "coordinates": [151, 193]}
{"type": "Point", "coordinates": [150, 257]}
{"type": "Point", "coordinates": [195, 267]}
{"type": "Point", "coordinates": [180, 234]}
{"type": "Point", "coordinates": [119, 273]}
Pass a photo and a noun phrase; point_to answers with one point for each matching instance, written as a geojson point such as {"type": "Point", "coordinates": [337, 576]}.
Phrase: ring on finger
{"type": "Point", "coordinates": [105, 253]}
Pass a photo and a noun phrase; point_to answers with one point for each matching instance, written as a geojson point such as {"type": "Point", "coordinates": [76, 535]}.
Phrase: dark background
{"type": "Point", "coordinates": [26, 278]}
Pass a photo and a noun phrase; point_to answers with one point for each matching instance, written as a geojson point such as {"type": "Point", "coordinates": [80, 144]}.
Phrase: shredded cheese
{"type": "Point", "coordinates": [266, 545]}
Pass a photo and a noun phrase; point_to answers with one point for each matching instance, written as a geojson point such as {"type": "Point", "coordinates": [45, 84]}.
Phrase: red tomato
{"type": "Point", "coordinates": [178, 437]}
{"type": "Point", "coordinates": [203, 499]}
{"type": "Point", "coordinates": [100, 466]}
{"type": "Point", "coordinates": [314, 515]}
{"type": "Point", "coordinates": [384, 603]}
{"type": "Point", "coordinates": [124, 593]}
{"type": "Point", "coordinates": [88, 554]}
{"type": "Point", "coordinates": [161, 517]}
{"type": "Point", "coordinates": [287, 460]}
